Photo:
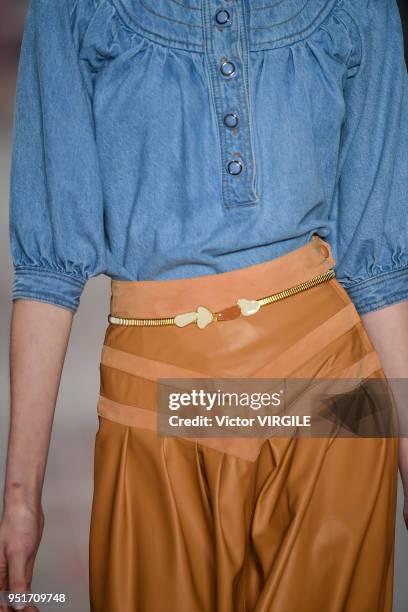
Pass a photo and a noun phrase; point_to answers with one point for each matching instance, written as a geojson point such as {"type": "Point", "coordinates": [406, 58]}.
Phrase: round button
{"type": "Point", "coordinates": [222, 17]}
{"type": "Point", "coordinates": [227, 68]}
{"type": "Point", "coordinates": [234, 167]}
{"type": "Point", "coordinates": [231, 120]}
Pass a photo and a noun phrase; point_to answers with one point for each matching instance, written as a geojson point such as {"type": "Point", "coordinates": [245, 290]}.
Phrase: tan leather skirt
{"type": "Point", "coordinates": [278, 524]}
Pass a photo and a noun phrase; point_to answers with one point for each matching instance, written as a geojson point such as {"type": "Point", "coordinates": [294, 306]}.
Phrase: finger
{"type": "Point", "coordinates": [18, 582]}
{"type": "Point", "coordinates": [29, 571]}
{"type": "Point", "coordinates": [3, 570]}
{"type": "Point", "coordinates": [29, 566]}
{"type": "Point", "coordinates": [31, 607]}
{"type": "Point", "coordinates": [3, 579]}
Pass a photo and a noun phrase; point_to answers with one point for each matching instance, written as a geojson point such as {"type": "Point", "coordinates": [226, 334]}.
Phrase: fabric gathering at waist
{"type": "Point", "coordinates": [162, 298]}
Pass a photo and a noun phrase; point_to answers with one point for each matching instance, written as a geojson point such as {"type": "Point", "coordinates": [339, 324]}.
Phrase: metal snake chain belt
{"type": "Point", "coordinates": [244, 307]}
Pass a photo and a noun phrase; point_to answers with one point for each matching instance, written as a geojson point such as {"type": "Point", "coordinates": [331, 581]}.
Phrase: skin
{"type": "Point", "coordinates": [39, 339]}
{"type": "Point", "coordinates": [38, 343]}
{"type": "Point", "coordinates": [388, 330]}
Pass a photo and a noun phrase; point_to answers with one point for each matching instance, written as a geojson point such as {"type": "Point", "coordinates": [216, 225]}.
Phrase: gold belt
{"type": "Point", "coordinates": [244, 307]}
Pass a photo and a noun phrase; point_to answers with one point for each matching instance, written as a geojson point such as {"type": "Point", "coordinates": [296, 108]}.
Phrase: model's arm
{"type": "Point", "coordinates": [57, 243]}
{"type": "Point", "coordinates": [388, 330]}
{"type": "Point", "coordinates": [39, 337]}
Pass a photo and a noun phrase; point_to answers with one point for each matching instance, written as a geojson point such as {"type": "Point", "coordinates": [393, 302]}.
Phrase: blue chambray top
{"type": "Point", "coordinates": [158, 139]}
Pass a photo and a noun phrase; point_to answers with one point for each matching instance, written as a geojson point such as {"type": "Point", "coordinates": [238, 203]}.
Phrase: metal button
{"type": "Point", "coordinates": [222, 17]}
{"type": "Point", "coordinates": [234, 167]}
{"type": "Point", "coordinates": [231, 120]}
{"type": "Point", "coordinates": [227, 68]}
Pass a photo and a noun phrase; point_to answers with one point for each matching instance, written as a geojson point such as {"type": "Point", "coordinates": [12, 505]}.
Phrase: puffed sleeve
{"type": "Point", "coordinates": [371, 212]}
{"type": "Point", "coordinates": [56, 204]}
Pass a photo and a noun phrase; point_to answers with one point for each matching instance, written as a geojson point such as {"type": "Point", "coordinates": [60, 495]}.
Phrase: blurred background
{"type": "Point", "coordinates": [62, 561]}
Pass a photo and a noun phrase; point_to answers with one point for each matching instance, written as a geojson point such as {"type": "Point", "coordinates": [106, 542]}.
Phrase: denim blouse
{"type": "Point", "coordinates": [158, 139]}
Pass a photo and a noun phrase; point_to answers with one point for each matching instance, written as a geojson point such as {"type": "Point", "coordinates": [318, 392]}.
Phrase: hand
{"type": "Point", "coordinates": [388, 330]}
{"type": "Point", "coordinates": [21, 530]}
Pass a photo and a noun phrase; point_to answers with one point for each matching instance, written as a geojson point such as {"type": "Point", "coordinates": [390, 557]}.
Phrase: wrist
{"type": "Point", "coordinates": [17, 495]}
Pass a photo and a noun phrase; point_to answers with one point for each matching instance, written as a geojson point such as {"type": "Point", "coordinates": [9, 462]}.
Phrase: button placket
{"type": "Point", "coordinates": [227, 56]}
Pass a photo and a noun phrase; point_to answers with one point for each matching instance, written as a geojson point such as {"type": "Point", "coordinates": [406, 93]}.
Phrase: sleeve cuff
{"type": "Point", "coordinates": [380, 291]}
{"type": "Point", "coordinates": [47, 286]}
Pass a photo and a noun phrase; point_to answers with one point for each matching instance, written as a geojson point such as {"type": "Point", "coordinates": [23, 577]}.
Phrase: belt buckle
{"type": "Point", "coordinates": [202, 316]}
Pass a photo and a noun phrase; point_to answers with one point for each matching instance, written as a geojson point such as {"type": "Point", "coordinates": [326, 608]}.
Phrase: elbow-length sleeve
{"type": "Point", "coordinates": [56, 205]}
{"type": "Point", "coordinates": [371, 209]}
